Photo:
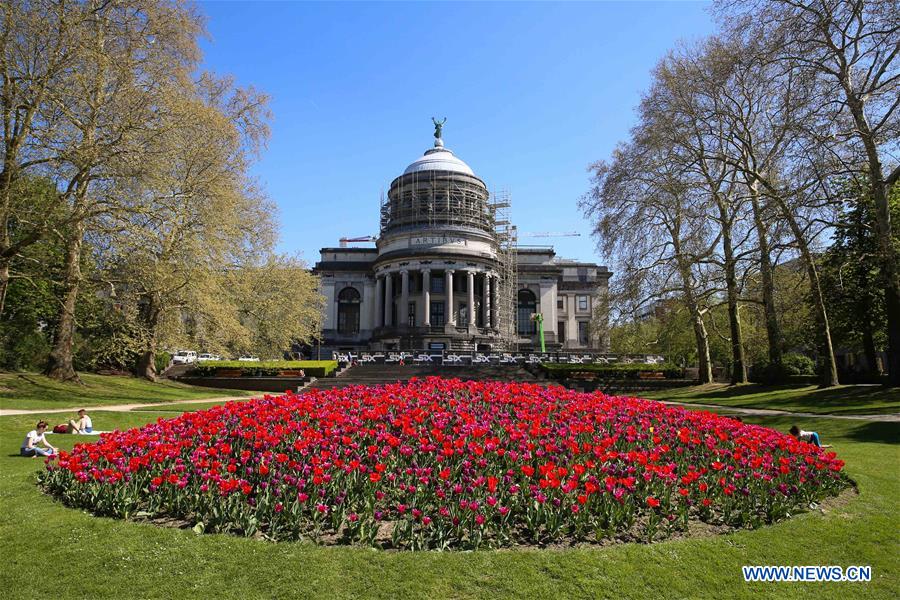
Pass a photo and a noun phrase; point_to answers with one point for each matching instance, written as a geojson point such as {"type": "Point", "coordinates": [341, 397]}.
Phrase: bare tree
{"type": "Point", "coordinates": [762, 104]}
{"type": "Point", "coordinates": [851, 47]}
{"type": "Point", "coordinates": [682, 106]}
{"type": "Point", "coordinates": [651, 222]}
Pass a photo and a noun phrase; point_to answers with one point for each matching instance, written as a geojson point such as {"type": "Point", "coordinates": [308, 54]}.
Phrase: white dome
{"type": "Point", "coordinates": [439, 159]}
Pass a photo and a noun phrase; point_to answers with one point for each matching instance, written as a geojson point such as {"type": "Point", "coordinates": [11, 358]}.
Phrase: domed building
{"type": "Point", "coordinates": [446, 273]}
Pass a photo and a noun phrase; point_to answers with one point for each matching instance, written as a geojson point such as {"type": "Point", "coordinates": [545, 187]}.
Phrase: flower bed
{"type": "Point", "coordinates": [439, 463]}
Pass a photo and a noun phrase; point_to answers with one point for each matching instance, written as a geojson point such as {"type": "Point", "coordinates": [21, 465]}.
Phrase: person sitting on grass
{"type": "Point", "coordinates": [82, 425]}
{"type": "Point", "coordinates": [32, 438]}
{"type": "Point", "coordinates": [810, 437]}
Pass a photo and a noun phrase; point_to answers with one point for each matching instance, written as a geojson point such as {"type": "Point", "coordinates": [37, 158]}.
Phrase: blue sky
{"type": "Point", "coordinates": [533, 93]}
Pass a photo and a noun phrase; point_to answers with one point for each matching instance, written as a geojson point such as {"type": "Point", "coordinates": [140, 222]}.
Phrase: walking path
{"type": "Point", "coordinates": [8, 412]}
{"type": "Point", "coordinates": [885, 417]}
{"type": "Point", "coordinates": [888, 418]}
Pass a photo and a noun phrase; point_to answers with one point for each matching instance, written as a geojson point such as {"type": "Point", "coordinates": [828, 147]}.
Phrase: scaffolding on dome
{"type": "Point", "coordinates": [434, 199]}
{"type": "Point", "coordinates": [507, 241]}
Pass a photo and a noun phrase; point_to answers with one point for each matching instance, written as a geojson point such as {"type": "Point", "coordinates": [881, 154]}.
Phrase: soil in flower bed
{"type": "Point", "coordinates": [444, 464]}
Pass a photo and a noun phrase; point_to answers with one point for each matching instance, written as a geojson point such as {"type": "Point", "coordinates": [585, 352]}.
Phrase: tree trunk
{"type": "Point", "coordinates": [773, 328]}
{"type": "Point", "coordinates": [828, 375]}
{"type": "Point", "coordinates": [4, 283]}
{"type": "Point", "coordinates": [869, 349]}
{"type": "Point", "coordinates": [146, 365]}
{"type": "Point", "coordinates": [702, 338]}
{"type": "Point", "coordinates": [59, 364]}
{"type": "Point", "coordinates": [738, 360]}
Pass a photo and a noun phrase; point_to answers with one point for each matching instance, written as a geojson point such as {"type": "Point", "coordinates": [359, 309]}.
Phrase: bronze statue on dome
{"type": "Point", "coordinates": [438, 127]}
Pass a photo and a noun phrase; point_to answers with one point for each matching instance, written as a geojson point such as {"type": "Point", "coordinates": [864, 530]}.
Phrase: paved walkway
{"type": "Point", "coordinates": [8, 412]}
{"type": "Point", "coordinates": [888, 417]}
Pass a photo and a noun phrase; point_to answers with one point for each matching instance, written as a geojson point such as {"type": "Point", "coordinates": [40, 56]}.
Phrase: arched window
{"type": "Point", "coordinates": [348, 310]}
{"type": "Point", "coordinates": [527, 305]}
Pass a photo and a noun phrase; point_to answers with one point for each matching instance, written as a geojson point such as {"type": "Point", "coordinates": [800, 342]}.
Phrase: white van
{"type": "Point", "coordinates": [184, 357]}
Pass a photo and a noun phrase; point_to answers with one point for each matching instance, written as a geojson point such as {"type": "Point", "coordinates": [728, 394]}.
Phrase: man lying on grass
{"type": "Point", "coordinates": [32, 438]}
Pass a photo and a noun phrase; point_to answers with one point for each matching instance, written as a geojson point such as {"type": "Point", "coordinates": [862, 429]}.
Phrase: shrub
{"type": "Point", "coordinates": [439, 463]}
{"type": "Point", "coordinates": [798, 364]}
{"type": "Point", "coordinates": [162, 361]}
{"type": "Point", "coordinates": [268, 368]}
{"type": "Point", "coordinates": [611, 371]}
{"type": "Point", "coordinates": [795, 368]}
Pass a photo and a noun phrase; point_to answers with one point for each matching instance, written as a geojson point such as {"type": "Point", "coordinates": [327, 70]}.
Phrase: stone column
{"type": "Point", "coordinates": [486, 301]}
{"type": "Point", "coordinates": [495, 309]}
{"type": "Point", "coordinates": [426, 296]}
{"type": "Point", "coordinates": [449, 310]}
{"type": "Point", "coordinates": [388, 299]}
{"type": "Point", "coordinates": [403, 314]}
{"type": "Point", "coordinates": [470, 286]}
{"type": "Point", "coordinates": [379, 301]}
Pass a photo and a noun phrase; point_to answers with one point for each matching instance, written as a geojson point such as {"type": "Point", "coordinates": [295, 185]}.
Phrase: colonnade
{"type": "Point", "coordinates": [384, 296]}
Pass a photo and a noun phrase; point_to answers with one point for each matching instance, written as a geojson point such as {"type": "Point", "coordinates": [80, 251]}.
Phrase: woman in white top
{"type": "Point", "coordinates": [810, 437]}
{"type": "Point", "coordinates": [33, 438]}
{"type": "Point", "coordinates": [82, 425]}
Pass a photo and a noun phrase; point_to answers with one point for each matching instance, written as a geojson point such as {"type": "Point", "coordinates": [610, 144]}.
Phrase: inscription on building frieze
{"type": "Point", "coordinates": [437, 240]}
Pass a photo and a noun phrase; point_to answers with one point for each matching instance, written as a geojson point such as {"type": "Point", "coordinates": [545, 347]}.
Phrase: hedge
{"type": "Point", "coordinates": [795, 368]}
{"type": "Point", "coordinates": [612, 371]}
{"type": "Point", "coordinates": [268, 368]}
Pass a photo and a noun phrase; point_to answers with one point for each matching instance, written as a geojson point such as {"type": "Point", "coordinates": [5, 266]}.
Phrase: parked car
{"type": "Point", "coordinates": [248, 358]}
{"type": "Point", "coordinates": [207, 356]}
{"type": "Point", "coordinates": [184, 357]}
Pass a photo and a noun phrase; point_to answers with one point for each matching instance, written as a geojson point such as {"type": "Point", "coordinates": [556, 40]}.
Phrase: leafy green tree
{"type": "Point", "coordinates": [852, 275]}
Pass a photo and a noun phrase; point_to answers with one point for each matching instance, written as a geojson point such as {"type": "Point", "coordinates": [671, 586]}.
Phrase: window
{"type": "Point", "coordinates": [583, 333]}
{"type": "Point", "coordinates": [462, 314]}
{"type": "Point", "coordinates": [561, 332]}
{"type": "Point", "coordinates": [527, 306]}
{"type": "Point", "coordinates": [411, 315]}
{"type": "Point", "coordinates": [560, 302]}
{"type": "Point", "coordinates": [437, 284]}
{"type": "Point", "coordinates": [437, 314]}
{"type": "Point", "coordinates": [582, 303]}
{"type": "Point", "coordinates": [348, 311]}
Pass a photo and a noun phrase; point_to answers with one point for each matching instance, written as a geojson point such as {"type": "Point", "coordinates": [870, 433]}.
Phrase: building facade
{"type": "Point", "coordinates": [446, 274]}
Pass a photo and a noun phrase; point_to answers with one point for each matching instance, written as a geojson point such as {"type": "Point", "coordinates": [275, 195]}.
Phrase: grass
{"type": "Point", "coordinates": [67, 553]}
{"type": "Point", "coordinates": [840, 400]}
{"type": "Point", "coordinates": [33, 391]}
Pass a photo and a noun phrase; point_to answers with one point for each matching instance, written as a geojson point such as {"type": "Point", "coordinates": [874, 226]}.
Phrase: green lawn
{"type": "Point", "coordinates": [67, 553]}
{"type": "Point", "coordinates": [33, 391]}
{"type": "Point", "coordinates": [841, 400]}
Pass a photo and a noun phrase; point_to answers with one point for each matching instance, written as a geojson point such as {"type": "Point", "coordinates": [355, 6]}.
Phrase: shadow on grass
{"type": "Point", "coordinates": [736, 391]}
{"type": "Point", "coordinates": [876, 432]}
{"type": "Point", "coordinates": [855, 399]}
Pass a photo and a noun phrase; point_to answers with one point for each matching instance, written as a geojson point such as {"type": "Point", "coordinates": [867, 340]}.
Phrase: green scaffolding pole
{"type": "Point", "coordinates": [539, 319]}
